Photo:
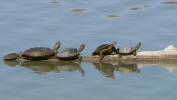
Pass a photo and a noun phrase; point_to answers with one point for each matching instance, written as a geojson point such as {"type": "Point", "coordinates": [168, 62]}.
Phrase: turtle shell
{"type": "Point", "coordinates": [38, 53]}
{"type": "Point", "coordinates": [11, 56]}
{"type": "Point", "coordinates": [101, 47]}
{"type": "Point", "coordinates": [126, 49]}
{"type": "Point", "coordinates": [68, 53]}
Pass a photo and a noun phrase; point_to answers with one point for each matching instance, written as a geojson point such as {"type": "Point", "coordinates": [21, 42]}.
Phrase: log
{"type": "Point", "coordinates": [169, 53]}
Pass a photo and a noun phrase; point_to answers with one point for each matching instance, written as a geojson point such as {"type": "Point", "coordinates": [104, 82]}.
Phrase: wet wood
{"type": "Point", "coordinates": [169, 53]}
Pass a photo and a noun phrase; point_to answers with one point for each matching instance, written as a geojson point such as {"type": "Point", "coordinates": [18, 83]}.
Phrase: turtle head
{"type": "Point", "coordinates": [112, 44]}
{"type": "Point", "coordinates": [19, 53]}
{"type": "Point", "coordinates": [138, 45]}
{"type": "Point", "coordinates": [57, 46]}
{"type": "Point", "coordinates": [81, 48]}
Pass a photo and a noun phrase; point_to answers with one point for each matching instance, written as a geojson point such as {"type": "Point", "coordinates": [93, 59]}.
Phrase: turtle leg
{"type": "Point", "coordinates": [101, 57]}
{"type": "Point", "coordinates": [101, 53]}
{"type": "Point", "coordinates": [134, 53]}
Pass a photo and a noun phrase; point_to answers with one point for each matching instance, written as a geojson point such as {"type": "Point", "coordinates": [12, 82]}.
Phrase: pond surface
{"type": "Point", "coordinates": [26, 24]}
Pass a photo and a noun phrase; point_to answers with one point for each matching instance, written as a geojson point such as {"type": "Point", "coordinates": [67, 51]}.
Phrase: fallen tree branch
{"type": "Point", "coordinates": [169, 53]}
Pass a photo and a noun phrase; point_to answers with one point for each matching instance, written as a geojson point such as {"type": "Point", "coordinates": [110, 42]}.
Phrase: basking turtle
{"type": "Point", "coordinates": [38, 53]}
{"type": "Point", "coordinates": [105, 49]}
{"type": "Point", "coordinates": [70, 53]}
{"type": "Point", "coordinates": [128, 50]}
{"type": "Point", "coordinates": [12, 56]}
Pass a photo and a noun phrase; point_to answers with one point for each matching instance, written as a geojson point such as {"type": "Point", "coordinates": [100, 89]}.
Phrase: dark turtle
{"type": "Point", "coordinates": [128, 50]}
{"type": "Point", "coordinates": [12, 56]}
{"type": "Point", "coordinates": [38, 53]}
{"type": "Point", "coordinates": [105, 49]}
{"type": "Point", "coordinates": [70, 53]}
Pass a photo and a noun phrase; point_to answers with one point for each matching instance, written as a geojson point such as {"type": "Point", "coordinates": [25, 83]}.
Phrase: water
{"type": "Point", "coordinates": [26, 24]}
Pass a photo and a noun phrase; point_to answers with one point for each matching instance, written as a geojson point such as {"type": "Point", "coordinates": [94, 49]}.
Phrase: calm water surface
{"type": "Point", "coordinates": [25, 24]}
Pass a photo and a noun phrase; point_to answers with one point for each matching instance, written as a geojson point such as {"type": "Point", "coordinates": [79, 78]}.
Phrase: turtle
{"type": "Point", "coordinates": [12, 56]}
{"type": "Point", "coordinates": [40, 53]}
{"type": "Point", "coordinates": [128, 50]}
{"type": "Point", "coordinates": [70, 53]}
{"type": "Point", "coordinates": [105, 49]}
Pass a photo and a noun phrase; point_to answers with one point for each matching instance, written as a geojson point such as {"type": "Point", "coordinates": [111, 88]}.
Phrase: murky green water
{"type": "Point", "coordinates": [25, 24]}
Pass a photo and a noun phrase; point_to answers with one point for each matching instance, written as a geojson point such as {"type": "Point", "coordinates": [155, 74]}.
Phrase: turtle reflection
{"type": "Point", "coordinates": [105, 68]}
{"type": "Point", "coordinates": [69, 66]}
{"type": "Point", "coordinates": [40, 66]}
{"type": "Point", "coordinates": [125, 68]}
{"type": "Point", "coordinates": [12, 63]}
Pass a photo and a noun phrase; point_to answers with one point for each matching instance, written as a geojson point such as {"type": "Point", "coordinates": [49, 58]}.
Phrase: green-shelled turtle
{"type": "Point", "coordinates": [38, 53]}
